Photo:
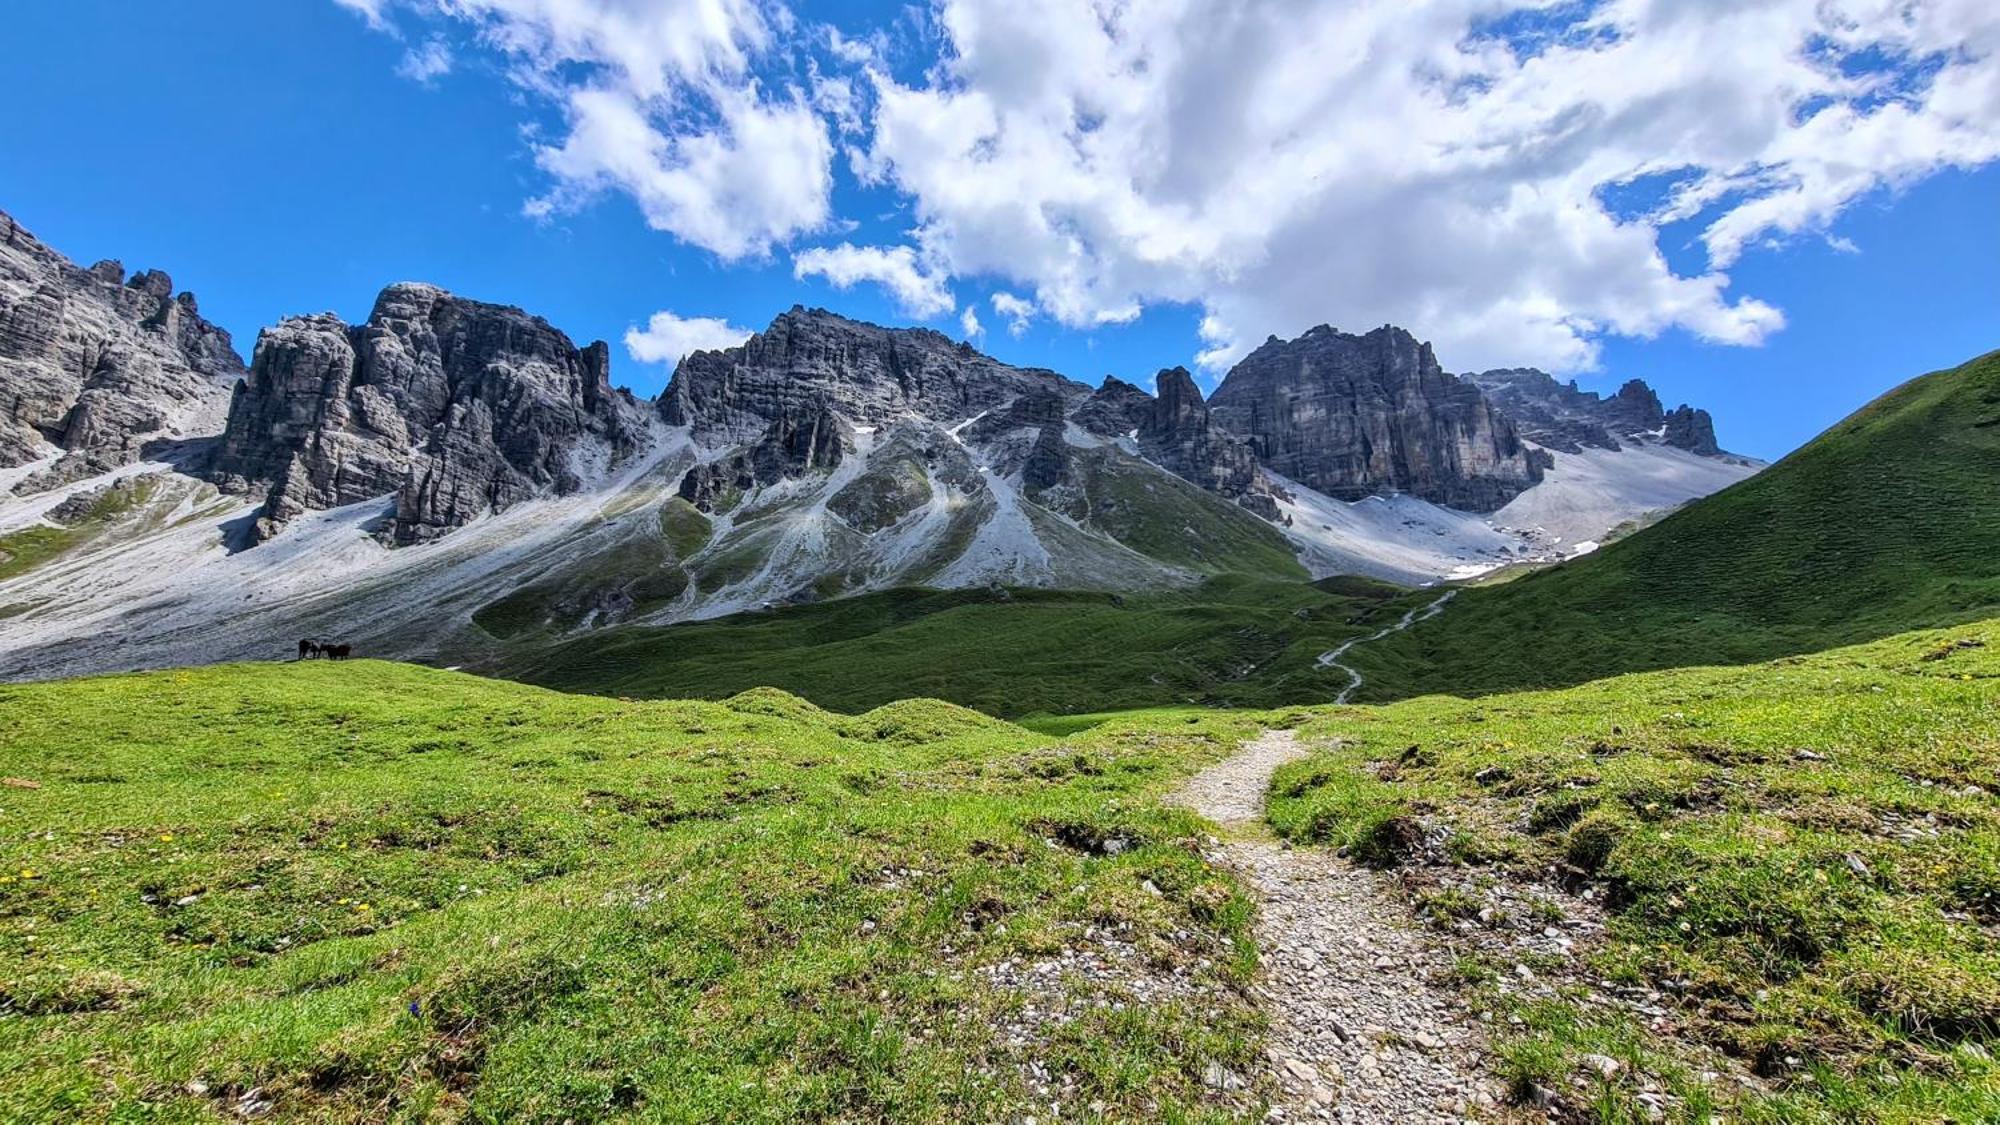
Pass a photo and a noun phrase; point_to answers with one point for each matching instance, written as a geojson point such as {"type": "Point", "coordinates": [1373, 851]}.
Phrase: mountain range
{"type": "Point", "coordinates": [450, 477]}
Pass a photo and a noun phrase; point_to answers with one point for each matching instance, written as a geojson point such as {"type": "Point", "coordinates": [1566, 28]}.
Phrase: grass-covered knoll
{"type": "Point", "coordinates": [367, 891]}
{"type": "Point", "coordinates": [1887, 522]}
{"type": "Point", "coordinates": [1803, 857]}
{"type": "Point", "coordinates": [1231, 642]}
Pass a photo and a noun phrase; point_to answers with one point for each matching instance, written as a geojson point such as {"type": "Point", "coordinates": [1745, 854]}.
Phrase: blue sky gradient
{"type": "Point", "coordinates": [271, 159]}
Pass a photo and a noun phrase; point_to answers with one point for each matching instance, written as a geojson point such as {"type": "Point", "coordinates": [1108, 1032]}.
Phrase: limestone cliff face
{"type": "Point", "coordinates": [868, 374]}
{"type": "Point", "coordinates": [1355, 416]}
{"type": "Point", "coordinates": [1563, 416]}
{"type": "Point", "coordinates": [456, 407]}
{"type": "Point", "coordinates": [98, 367]}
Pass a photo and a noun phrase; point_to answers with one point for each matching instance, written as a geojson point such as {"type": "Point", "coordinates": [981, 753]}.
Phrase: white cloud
{"type": "Point", "coordinates": [369, 10]}
{"type": "Point", "coordinates": [663, 103]}
{"type": "Point", "coordinates": [1274, 163]}
{"type": "Point", "coordinates": [1286, 162]}
{"type": "Point", "coordinates": [968, 322]}
{"type": "Point", "coordinates": [668, 338]}
{"type": "Point", "coordinates": [920, 291]}
{"type": "Point", "coordinates": [1017, 311]}
{"type": "Point", "coordinates": [427, 63]}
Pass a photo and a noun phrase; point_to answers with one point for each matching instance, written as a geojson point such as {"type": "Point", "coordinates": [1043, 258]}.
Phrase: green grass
{"type": "Point", "coordinates": [1804, 854]}
{"type": "Point", "coordinates": [368, 891]}
{"type": "Point", "coordinates": [30, 547]}
{"type": "Point", "coordinates": [1887, 522]}
{"type": "Point", "coordinates": [1168, 519]}
{"type": "Point", "coordinates": [1232, 642]}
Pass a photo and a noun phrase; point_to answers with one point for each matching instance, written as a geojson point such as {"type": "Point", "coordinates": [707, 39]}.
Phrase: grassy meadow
{"type": "Point", "coordinates": [368, 891]}
{"type": "Point", "coordinates": [1799, 862]}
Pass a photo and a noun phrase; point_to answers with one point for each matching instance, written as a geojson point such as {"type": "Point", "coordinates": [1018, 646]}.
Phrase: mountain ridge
{"type": "Point", "coordinates": [821, 457]}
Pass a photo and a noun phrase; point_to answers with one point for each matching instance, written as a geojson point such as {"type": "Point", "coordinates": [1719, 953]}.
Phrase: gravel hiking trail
{"type": "Point", "coordinates": [1331, 657]}
{"type": "Point", "coordinates": [1361, 1030]}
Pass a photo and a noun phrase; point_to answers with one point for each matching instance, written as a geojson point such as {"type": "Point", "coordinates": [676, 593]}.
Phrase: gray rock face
{"type": "Point", "coordinates": [868, 374]}
{"type": "Point", "coordinates": [1354, 416]}
{"type": "Point", "coordinates": [1114, 410]}
{"type": "Point", "coordinates": [97, 366]}
{"type": "Point", "coordinates": [456, 407]}
{"type": "Point", "coordinates": [1564, 417]}
{"type": "Point", "coordinates": [815, 440]}
{"type": "Point", "coordinates": [1691, 429]}
{"type": "Point", "coordinates": [1177, 432]}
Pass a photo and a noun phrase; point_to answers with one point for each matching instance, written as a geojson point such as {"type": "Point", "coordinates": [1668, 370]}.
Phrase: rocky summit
{"type": "Point", "coordinates": [1355, 416]}
{"type": "Point", "coordinates": [1565, 417]}
{"type": "Point", "coordinates": [96, 367]}
{"type": "Point", "coordinates": [456, 407]}
{"type": "Point", "coordinates": [822, 457]}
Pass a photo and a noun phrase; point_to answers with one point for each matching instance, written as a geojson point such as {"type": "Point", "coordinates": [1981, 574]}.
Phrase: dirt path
{"type": "Point", "coordinates": [1360, 1031]}
{"type": "Point", "coordinates": [1331, 657]}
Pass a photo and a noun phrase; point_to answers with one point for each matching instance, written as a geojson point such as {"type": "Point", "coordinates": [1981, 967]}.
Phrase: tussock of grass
{"type": "Point", "coordinates": [365, 891]}
{"type": "Point", "coordinates": [1803, 851]}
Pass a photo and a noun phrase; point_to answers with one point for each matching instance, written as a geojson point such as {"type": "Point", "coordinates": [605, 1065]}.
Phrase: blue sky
{"type": "Point", "coordinates": [272, 158]}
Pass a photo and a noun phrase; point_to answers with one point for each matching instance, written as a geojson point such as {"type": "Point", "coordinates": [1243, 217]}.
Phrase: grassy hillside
{"type": "Point", "coordinates": [1787, 874]}
{"type": "Point", "coordinates": [1887, 522]}
{"type": "Point", "coordinates": [1232, 642]}
{"type": "Point", "coordinates": [366, 891]}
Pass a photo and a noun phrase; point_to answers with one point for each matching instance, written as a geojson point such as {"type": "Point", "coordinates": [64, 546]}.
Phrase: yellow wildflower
{"type": "Point", "coordinates": [166, 837]}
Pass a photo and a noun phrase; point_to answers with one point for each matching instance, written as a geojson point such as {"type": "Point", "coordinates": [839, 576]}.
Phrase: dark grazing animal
{"type": "Point", "coordinates": [335, 652]}
{"type": "Point", "coordinates": [308, 649]}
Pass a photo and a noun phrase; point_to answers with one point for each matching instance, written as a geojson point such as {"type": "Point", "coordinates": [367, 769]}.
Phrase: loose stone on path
{"type": "Point", "coordinates": [1359, 1031]}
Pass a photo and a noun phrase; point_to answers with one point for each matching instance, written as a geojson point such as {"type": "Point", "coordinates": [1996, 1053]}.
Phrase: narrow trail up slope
{"type": "Point", "coordinates": [1331, 657]}
{"type": "Point", "coordinates": [1359, 1030]}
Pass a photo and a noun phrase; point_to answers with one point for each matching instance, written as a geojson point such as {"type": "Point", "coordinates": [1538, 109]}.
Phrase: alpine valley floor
{"type": "Point", "coordinates": [355, 891]}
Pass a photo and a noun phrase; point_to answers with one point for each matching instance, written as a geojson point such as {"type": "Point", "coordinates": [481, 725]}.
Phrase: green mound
{"type": "Point", "coordinates": [911, 721]}
{"type": "Point", "coordinates": [1800, 860]}
{"type": "Point", "coordinates": [1887, 522]}
{"type": "Point", "coordinates": [367, 891]}
{"type": "Point", "coordinates": [780, 704]}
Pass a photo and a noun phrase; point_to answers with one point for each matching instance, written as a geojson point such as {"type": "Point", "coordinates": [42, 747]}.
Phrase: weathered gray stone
{"type": "Point", "coordinates": [456, 407]}
{"type": "Point", "coordinates": [869, 375]}
{"type": "Point", "coordinates": [1354, 416]}
{"type": "Point", "coordinates": [97, 368]}
{"type": "Point", "coordinates": [1563, 416]}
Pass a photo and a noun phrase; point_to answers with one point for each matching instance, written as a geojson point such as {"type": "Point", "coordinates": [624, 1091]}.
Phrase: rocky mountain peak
{"type": "Point", "coordinates": [456, 407]}
{"type": "Point", "coordinates": [97, 369]}
{"type": "Point", "coordinates": [1564, 417]}
{"type": "Point", "coordinates": [866, 373]}
{"type": "Point", "coordinates": [1354, 416]}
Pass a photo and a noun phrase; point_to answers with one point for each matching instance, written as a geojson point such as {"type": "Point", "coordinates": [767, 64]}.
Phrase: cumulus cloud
{"type": "Point", "coordinates": [1442, 165]}
{"type": "Point", "coordinates": [664, 103]}
{"type": "Point", "coordinates": [918, 290]}
{"type": "Point", "coordinates": [1017, 311]}
{"type": "Point", "coordinates": [1498, 175]}
{"type": "Point", "coordinates": [667, 338]}
{"type": "Point", "coordinates": [968, 322]}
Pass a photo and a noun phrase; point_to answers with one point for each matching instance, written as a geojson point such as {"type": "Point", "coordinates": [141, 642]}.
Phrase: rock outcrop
{"type": "Point", "coordinates": [1177, 432]}
{"type": "Point", "coordinates": [1354, 416]}
{"type": "Point", "coordinates": [791, 446]}
{"type": "Point", "coordinates": [1686, 427]}
{"type": "Point", "coordinates": [1564, 417]}
{"type": "Point", "coordinates": [98, 367]}
{"type": "Point", "coordinates": [456, 407]}
{"type": "Point", "coordinates": [868, 374]}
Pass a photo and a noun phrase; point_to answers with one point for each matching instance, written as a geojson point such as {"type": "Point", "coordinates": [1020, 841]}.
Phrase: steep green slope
{"type": "Point", "coordinates": [1231, 642]}
{"type": "Point", "coordinates": [1793, 868]}
{"type": "Point", "coordinates": [367, 892]}
{"type": "Point", "coordinates": [1888, 521]}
